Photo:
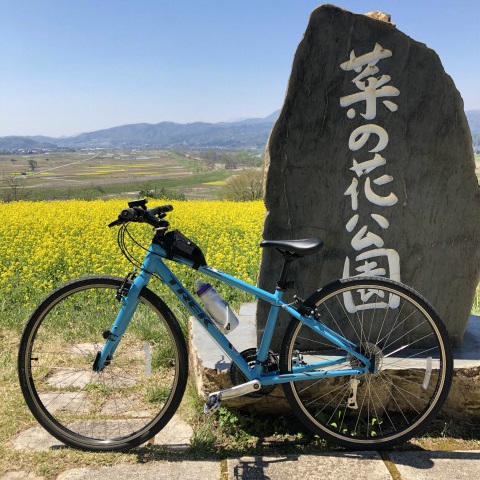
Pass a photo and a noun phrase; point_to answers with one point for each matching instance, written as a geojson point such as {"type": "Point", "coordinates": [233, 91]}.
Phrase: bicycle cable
{"type": "Point", "coordinates": [123, 245]}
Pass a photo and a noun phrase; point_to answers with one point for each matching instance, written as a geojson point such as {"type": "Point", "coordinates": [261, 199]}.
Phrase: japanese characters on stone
{"type": "Point", "coordinates": [370, 256]}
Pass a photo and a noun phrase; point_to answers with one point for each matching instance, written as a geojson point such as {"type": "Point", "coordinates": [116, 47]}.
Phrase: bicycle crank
{"type": "Point", "coordinates": [215, 398]}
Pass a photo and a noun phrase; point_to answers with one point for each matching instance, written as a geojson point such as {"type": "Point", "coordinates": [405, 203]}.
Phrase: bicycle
{"type": "Point", "coordinates": [365, 362]}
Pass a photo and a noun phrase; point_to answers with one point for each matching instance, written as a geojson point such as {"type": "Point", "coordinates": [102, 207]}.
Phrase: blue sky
{"type": "Point", "coordinates": [71, 66]}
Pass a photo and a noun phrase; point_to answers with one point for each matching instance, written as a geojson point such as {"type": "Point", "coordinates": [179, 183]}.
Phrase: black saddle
{"type": "Point", "coordinates": [306, 246]}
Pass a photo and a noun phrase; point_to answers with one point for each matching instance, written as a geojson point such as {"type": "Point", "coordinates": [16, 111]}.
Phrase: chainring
{"type": "Point", "coordinates": [250, 356]}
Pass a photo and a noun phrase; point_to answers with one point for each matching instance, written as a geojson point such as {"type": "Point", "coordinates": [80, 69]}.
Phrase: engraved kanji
{"type": "Point", "coordinates": [372, 87]}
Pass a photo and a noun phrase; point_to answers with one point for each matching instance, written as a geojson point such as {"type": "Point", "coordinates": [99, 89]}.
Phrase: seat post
{"type": "Point", "coordinates": [283, 284]}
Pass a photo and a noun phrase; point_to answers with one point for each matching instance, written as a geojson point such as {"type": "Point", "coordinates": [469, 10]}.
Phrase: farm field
{"type": "Point", "coordinates": [108, 173]}
{"type": "Point", "coordinates": [90, 174]}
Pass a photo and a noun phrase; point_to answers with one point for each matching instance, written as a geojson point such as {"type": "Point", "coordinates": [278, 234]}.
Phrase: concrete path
{"type": "Point", "coordinates": [420, 465]}
{"type": "Point", "coordinates": [409, 465]}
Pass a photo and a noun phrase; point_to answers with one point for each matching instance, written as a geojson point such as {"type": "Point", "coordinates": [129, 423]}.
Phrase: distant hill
{"type": "Point", "coordinates": [252, 132]}
{"type": "Point", "coordinates": [25, 143]}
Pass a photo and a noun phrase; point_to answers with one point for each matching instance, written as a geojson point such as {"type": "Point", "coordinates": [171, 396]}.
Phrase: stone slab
{"type": "Point", "coordinates": [426, 465]}
{"type": "Point", "coordinates": [468, 354]}
{"type": "Point", "coordinates": [193, 470]}
{"type": "Point", "coordinates": [328, 466]}
{"type": "Point", "coordinates": [243, 337]}
{"type": "Point", "coordinates": [175, 435]}
{"type": "Point", "coordinates": [209, 365]}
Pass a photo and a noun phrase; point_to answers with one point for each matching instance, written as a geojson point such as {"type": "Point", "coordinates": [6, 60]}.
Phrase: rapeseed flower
{"type": "Point", "coordinates": [44, 244]}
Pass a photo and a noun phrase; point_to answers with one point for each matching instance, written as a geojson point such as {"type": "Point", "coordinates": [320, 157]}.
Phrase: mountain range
{"type": "Point", "coordinates": [248, 133]}
{"type": "Point", "coordinates": [252, 132]}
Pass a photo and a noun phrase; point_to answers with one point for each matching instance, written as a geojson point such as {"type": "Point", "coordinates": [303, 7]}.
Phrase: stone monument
{"type": "Point", "coordinates": [372, 153]}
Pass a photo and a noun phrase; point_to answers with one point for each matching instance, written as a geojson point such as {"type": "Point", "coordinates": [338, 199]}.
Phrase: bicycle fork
{"type": "Point", "coordinates": [128, 297]}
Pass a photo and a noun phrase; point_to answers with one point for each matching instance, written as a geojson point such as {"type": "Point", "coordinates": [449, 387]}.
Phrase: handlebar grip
{"type": "Point", "coordinates": [161, 209]}
{"type": "Point", "coordinates": [139, 214]}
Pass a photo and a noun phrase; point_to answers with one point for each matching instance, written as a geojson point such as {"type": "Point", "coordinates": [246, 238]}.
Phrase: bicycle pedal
{"type": "Point", "coordinates": [212, 405]}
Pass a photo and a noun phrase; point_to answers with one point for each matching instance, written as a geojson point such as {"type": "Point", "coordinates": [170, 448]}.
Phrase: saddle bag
{"type": "Point", "coordinates": [177, 244]}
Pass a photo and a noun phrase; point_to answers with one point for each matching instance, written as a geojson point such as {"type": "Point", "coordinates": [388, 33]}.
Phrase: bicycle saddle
{"type": "Point", "coordinates": [306, 246]}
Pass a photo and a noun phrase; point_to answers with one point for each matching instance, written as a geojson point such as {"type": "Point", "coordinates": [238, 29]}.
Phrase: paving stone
{"type": "Point", "coordinates": [67, 401]}
{"type": "Point", "coordinates": [175, 435]}
{"type": "Point", "coordinates": [20, 475]}
{"type": "Point", "coordinates": [193, 470]}
{"type": "Point", "coordinates": [331, 466]}
{"type": "Point", "coordinates": [36, 439]}
{"type": "Point", "coordinates": [426, 465]}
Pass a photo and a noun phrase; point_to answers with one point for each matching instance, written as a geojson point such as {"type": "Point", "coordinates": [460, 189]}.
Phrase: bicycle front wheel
{"type": "Point", "coordinates": [407, 345]}
{"type": "Point", "coordinates": [127, 403]}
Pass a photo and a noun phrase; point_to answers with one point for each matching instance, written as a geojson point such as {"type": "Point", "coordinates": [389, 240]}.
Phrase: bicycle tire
{"type": "Point", "coordinates": [127, 403]}
{"type": "Point", "coordinates": [402, 335]}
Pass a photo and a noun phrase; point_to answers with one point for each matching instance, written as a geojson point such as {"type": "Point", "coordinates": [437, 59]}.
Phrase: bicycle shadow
{"type": "Point", "coordinates": [271, 465]}
{"type": "Point", "coordinates": [295, 466]}
{"type": "Point", "coordinates": [256, 467]}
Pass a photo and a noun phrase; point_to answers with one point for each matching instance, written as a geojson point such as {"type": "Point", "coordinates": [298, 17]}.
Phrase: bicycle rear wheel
{"type": "Point", "coordinates": [127, 403]}
{"type": "Point", "coordinates": [403, 337]}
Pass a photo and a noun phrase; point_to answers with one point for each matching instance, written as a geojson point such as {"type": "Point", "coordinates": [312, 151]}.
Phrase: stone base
{"type": "Point", "coordinates": [210, 368]}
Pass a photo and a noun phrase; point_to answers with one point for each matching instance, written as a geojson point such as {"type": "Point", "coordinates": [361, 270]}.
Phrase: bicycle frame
{"type": "Point", "coordinates": [154, 264]}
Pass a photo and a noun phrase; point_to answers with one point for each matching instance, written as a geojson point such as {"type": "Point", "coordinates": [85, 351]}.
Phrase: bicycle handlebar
{"type": "Point", "coordinates": [139, 213]}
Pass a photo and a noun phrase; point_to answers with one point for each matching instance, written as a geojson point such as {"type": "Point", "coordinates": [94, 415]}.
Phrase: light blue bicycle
{"type": "Point", "coordinates": [365, 362]}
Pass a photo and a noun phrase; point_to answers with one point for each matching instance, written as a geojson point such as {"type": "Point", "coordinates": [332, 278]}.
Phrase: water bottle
{"type": "Point", "coordinates": [216, 306]}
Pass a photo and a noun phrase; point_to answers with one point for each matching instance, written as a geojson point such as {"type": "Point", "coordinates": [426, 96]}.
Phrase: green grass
{"type": "Point", "coordinates": [208, 182]}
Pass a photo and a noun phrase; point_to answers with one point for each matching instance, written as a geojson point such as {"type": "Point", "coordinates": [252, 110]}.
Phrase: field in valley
{"type": "Point", "coordinates": [104, 173]}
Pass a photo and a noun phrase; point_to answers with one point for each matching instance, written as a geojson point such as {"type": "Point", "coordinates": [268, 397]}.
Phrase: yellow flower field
{"type": "Point", "coordinates": [43, 244]}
